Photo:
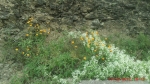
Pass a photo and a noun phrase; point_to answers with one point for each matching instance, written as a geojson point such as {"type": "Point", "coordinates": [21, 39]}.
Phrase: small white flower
{"type": "Point", "coordinates": [92, 48]}
{"type": "Point", "coordinates": [83, 35]}
{"type": "Point", "coordinates": [116, 60]}
{"type": "Point", "coordinates": [62, 81]}
{"type": "Point", "coordinates": [55, 77]}
{"type": "Point", "coordinates": [71, 33]}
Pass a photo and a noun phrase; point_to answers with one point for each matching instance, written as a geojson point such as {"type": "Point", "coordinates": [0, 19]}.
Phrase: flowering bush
{"type": "Point", "coordinates": [109, 62]}
{"type": "Point", "coordinates": [79, 55]}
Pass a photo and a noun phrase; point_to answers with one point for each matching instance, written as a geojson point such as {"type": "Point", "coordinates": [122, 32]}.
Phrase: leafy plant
{"type": "Point", "coordinates": [77, 55]}
{"type": "Point", "coordinates": [137, 47]}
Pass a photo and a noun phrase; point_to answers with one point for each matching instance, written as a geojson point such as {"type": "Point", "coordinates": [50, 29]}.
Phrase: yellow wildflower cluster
{"type": "Point", "coordinates": [73, 43]}
{"type": "Point", "coordinates": [36, 28]}
{"type": "Point", "coordinates": [93, 42]}
{"type": "Point", "coordinates": [42, 32]}
{"type": "Point", "coordinates": [30, 21]}
{"type": "Point", "coordinates": [34, 31]}
{"type": "Point", "coordinates": [23, 53]}
{"type": "Point", "coordinates": [90, 38]}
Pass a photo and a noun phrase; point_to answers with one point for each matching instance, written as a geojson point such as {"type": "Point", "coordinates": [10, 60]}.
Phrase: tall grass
{"type": "Point", "coordinates": [138, 46]}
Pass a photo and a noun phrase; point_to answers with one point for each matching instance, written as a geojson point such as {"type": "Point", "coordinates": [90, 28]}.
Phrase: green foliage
{"type": "Point", "coordinates": [43, 60]}
{"type": "Point", "coordinates": [63, 65]}
{"type": "Point", "coordinates": [27, 44]}
{"type": "Point", "coordinates": [137, 47]}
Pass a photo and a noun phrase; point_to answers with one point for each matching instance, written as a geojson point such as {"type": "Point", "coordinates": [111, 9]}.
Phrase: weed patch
{"type": "Point", "coordinates": [76, 55]}
{"type": "Point", "coordinates": [137, 47]}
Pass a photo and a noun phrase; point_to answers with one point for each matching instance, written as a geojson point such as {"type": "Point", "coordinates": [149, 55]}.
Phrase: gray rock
{"type": "Point", "coordinates": [67, 21]}
{"type": "Point", "coordinates": [1, 24]}
{"type": "Point", "coordinates": [90, 16]}
{"type": "Point", "coordinates": [4, 15]}
{"type": "Point", "coordinates": [96, 24]}
{"type": "Point", "coordinates": [1, 65]}
{"type": "Point", "coordinates": [40, 3]}
{"type": "Point", "coordinates": [130, 6]}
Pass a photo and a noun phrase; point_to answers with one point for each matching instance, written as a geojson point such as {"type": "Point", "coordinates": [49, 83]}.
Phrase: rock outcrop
{"type": "Point", "coordinates": [133, 15]}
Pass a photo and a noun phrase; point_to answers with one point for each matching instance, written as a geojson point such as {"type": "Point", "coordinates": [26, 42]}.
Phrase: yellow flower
{"type": "Point", "coordinates": [84, 58]}
{"type": "Point", "coordinates": [81, 38]}
{"type": "Point", "coordinates": [28, 55]}
{"type": "Point", "coordinates": [41, 31]}
{"type": "Point", "coordinates": [30, 24]}
{"type": "Point", "coordinates": [44, 30]}
{"type": "Point", "coordinates": [23, 53]}
{"type": "Point", "coordinates": [103, 58]}
{"type": "Point", "coordinates": [110, 50]}
{"type": "Point", "coordinates": [93, 39]}
{"type": "Point", "coordinates": [36, 34]}
{"type": "Point", "coordinates": [72, 42]}
{"type": "Point", "coordinates": [97, 32]}
{"type": "Point", "coordinates": [109, 46]}
{"type": "Point", "coordinates": [89, 40]}
{"type": "Point", "coordinates": [75, 46]}
{"type": "Point", "coordinates": [16, 49]}
{"type": "Point", "coordinates": [27, 34]}
{"type": "Point", "coordinates": [37, 25]}
{"type": "Point", "coordinates": [28, 21]}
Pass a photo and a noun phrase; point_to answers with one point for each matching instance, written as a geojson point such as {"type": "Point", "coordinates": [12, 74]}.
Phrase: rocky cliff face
{"type": "Point", "coordinates": [133, 15]}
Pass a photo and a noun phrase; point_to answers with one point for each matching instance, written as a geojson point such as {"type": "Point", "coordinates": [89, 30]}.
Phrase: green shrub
{"type": "Point", "coordinates": [137, 47]}
{"type": "Point", "coordinates": [80, 56]}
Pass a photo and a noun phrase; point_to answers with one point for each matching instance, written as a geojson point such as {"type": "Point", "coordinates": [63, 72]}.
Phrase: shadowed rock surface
{"type": "Point", "coordinates": [132, 16]}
